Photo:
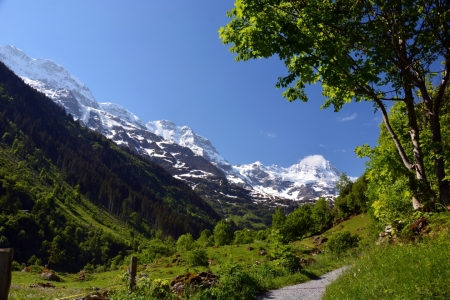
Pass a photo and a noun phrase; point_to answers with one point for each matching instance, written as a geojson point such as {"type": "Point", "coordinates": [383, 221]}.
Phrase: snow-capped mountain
{"type": "Point", "coordinates": [185, 154]}
{"type": "Point", "coordinates": [186, 137]}
{"type": "Point", "coordinates": [311, 178]}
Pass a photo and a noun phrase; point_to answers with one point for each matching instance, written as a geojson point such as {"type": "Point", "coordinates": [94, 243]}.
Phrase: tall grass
{"type": "Point", "coordinates": [410, 271]}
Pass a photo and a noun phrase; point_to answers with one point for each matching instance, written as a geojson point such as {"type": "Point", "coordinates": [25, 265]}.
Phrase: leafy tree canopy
{"type": "Point", "coordinates": [369, 50]}
{"type": "Point", "coordinates": [222, 233]}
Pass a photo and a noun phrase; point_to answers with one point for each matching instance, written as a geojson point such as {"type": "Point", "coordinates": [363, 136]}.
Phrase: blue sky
{"type": "Point", "coordinates": [164, 60]}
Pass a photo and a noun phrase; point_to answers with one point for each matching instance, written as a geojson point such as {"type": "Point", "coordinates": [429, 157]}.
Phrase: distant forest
{"type": "Point", "coordinates": [37, 132]}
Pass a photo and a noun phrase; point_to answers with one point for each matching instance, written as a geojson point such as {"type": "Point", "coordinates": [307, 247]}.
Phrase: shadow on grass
{"type": "Point", "coordinates": [309, 274]}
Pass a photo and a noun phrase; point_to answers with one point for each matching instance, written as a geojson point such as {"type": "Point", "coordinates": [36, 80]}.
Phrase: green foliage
{"type": "Point", "coordinates": [403, 271]}
{"type": "Point", "coordinates": [245, 236]}
{"type": "Point", "coordinates": [353, 199]}
{"type": "Point", "coordinates": [145, 289]}
{"type": "Point", "coordinates": [278, 219]}
{"type": "Point", "coordinates": [390, 187]}
{"type": "Point", "coordinates": [237, 284]}
{"type": "Point", "coordinates": [156, 248]}
{"type": "Point", "coordinates": [15, 266]}
{"type": "Point", "coordinates": [222, 233]}
{"type": "Point", "coordinates": [69, 196]}
{"type": "Point", "coordinates": [206, 239]}
{"type": "Point", "coordinates": [358, 54]}
{"type": "Point", "coordinates": [344, 185]}
{"type": "Point", "coordinates": [298, 223]}
{"type": "Point", "coordinates": [340, 242]}
{"type": "Point", "coordinates": [321, 215]}
{"type": "Point", "coordinates": [197, 257]}
{"type": "Point", "coordinates": [185, 242]}
{"type": "Point", "coordinates": [282, 254]}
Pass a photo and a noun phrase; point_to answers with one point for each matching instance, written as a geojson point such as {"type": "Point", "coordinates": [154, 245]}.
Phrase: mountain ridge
{"type": "Point", "coordinates": [185, 154]}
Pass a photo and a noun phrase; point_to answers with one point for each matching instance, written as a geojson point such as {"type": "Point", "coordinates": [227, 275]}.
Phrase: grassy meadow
{"type": "Point", "coordinates": [408, 268]}
{"type": "Point", "coordinates": [269, 273]}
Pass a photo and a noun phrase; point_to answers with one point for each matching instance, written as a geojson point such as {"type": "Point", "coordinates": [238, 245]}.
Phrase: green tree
{"type": "Point", "coordinates": [321, 215]}
{"type": "Point", "coordinates": [352, 197]}
{"type": "Point", "coordinates": [388, 186]}
{"type": "Point", "coordinates": [344, 184]}
{"type": "Point", "coordinates": [222, 233]}
{"type": "Point", "coordinates": [244, 236]}
{"type": "Point", "coordinates": [298, 223]}
{"type": "Point", "coordinates": [278, 219]}
{"type": "Point", "coordinates": [185, 242]}
{"type": "Point", "coordinates": [206, 239]}
{"type": "Point", "coordinates": [369, 50]}
{"type": "Point", "coordinates": [197, 257]}
{"type": "Point", "coordinates": [340, 242]}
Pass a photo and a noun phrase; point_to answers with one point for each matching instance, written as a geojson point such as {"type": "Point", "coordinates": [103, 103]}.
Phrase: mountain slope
{"type": "Point", "coordinates": [179, 150]}
{"type": "Point", "coordinates": [123, 183]}
{"type": "Point", "coordinates": [313, 177]}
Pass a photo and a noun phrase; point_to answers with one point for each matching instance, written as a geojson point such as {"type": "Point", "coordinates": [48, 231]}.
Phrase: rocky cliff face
{"type": "Point", "coordinates": [186, 155]}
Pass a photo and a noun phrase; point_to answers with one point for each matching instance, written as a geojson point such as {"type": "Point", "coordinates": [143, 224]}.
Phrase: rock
{"type": "Point", "coordinates": [315, 251]}
{"type": "Point", "coordinates": [51, 276]}
{"type": "Point", "coordinates": [42, 285]}
{"type": "Point", "coordinates": [419, 225]}
{"type": "Point", "coordinates": [320, 240]}
{"type": "Point", "coordinates": [97, 296]}
{"type": "Point", "coordinates": [388, 229]}
{"type": "Point", "coordinates": [305, 262]}
{"type": "Point", "coordinates": [200, 280]}
{"type": "Point", "coordinates": [178, 288]}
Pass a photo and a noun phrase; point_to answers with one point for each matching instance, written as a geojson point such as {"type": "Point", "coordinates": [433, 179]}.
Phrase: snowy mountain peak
{"type": "Point", "coordinates": [45, 75]}
{"type": "Point", "coordinates": [317, 167]}
{"type": "Point", "coordinates": [185, 136]}
{"type": "Point", "coordinates": [166, 143]}
{"type": "Point", "coordinates": [121, 112]}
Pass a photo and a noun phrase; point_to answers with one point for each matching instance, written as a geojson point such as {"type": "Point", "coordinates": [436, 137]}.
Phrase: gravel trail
{"type": "Point", "coordinates": [311, 290]}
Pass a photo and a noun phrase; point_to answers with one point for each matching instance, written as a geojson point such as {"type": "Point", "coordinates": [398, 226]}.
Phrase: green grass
{"type": "Point", "coordinates": [360, 225]}
{"type": "Point", "coordinates": [247, 256]}
{"type": "Point", "coordinates": [268, 274]}
{"type": "Point", "coordinates": [408, 270]}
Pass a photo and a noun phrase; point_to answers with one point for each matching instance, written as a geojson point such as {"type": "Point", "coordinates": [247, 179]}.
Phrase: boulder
{"type": "Point", "coordinates": [50, 276]}
{"type": "Point", "coordinates": [320, 240]}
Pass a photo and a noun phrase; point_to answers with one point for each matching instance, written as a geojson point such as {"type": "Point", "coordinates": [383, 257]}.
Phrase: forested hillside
{"type": "Point", "coordinates": [62, 186]}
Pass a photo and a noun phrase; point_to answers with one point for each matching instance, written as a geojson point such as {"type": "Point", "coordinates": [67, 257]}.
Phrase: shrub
{"type": "Point", "coordinates": [185, 242]}
{"type": "Point", "coordinates": [222, 233]}
{"type": "Point", "coordinates": [238, 285]}
{"type": "Point", "coordinates": [100, 269]}
{"type": "Point", "coordinates": [197, 257]}
{"type": "Point", "coordinates": [16, 266]}
{"type": "Point", "coordinates": [89, 268]}
{"type": "Point", "coordinates": [342, 241]}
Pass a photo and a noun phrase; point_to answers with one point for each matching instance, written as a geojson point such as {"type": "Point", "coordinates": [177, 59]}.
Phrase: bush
{"type": "Point", "coordinates": [89, 268]}
{"type": "Point", "coordinates": [197, 257]}
{"type": "Point", "coordinates": [100, 269]}
{"type": "Point", "coordinates": [16, 266]}
{"type": "Point", "coordinates": [185, 242]}
{"type": "Point", "coordinates": [222, 233]}
{"type": "Point", "coordinates": [238, 285]}
{"type": "Point", "coordinates": [342, 241]}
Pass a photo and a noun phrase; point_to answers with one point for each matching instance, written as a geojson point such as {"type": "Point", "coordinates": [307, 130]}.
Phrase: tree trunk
{"type": "Point", "coordinates": [419, 166]}
{"type": "Point", "coordinates": [439, 164]}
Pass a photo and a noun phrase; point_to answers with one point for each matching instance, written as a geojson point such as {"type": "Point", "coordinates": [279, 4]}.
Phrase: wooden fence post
{"type": "Point", "coordinates": [132, 271]}
{"type": "Point", "coordinates": [6, 258]}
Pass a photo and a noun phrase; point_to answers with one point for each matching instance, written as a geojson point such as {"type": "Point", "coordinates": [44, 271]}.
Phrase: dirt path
{"type": "Point", "coordinates": [311, 290]}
